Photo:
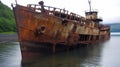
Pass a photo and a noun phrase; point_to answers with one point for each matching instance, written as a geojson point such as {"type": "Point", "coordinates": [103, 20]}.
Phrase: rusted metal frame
{"type": "Point", "coordinates": [15, 9]}
{"type": "Point", "coordinates": [92, 39]}
{"type": "Point", "coordinates": [54, 8]}
{"type": "Point", "coordinates": [75, 17]}
{"type": "Point", "coordinates": [18, 8]}
{"type": "Point", "coordinates": [25, 9]}
{"type": "Point", "coordinates": [73, 21]}
{"type": "Point", "coordinates": [67, 14]}
{"type": "Point", "coordinates": [26, 28]}
{"type": "Point", "coordinates": [64, 11]}
{"type": "Point", "coordinates": [60, 13]}
{"type": "Point", "coordinates": [85, 38]}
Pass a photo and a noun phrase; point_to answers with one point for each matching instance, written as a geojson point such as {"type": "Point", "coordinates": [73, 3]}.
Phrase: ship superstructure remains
{"type": "Point", "coordinates": [41, 25]}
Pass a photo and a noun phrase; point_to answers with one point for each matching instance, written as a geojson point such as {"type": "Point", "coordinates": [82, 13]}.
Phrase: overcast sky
{"type": "Point", "coordinates": [109, 10]}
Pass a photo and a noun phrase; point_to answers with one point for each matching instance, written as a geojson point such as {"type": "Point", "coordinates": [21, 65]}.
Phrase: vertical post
{"type": "Point", "coordinates": [53, 48]}
{"type": "Point", "coordinates": [16, 1]}
{"type": "Point", "coordinates": [41, 3]}
{"type": "Point", "coordinates": [89, 1]}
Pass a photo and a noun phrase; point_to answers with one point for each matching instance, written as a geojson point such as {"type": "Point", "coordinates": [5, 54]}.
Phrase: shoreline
{"type": "Point", "coordinates": [8, 38]}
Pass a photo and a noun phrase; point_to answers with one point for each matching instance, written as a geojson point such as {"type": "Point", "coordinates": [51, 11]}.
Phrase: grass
{"type": "Point", "coordinates": [8, 32]}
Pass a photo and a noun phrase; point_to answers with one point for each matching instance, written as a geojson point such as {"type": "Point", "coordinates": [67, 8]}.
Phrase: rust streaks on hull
{"type": "Point", "coordinates": [45, 24]}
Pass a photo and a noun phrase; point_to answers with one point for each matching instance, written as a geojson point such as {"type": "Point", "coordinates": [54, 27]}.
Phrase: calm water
{"type": "Point", "coordinates": [105, 54]}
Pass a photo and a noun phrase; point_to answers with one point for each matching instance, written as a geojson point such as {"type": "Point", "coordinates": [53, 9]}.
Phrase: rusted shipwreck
{"type": "Point", "coordinates": [45, 26]}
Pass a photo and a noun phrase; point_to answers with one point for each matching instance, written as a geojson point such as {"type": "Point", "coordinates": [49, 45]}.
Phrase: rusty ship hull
{"type": "Point", "coordinates": [47, 27]}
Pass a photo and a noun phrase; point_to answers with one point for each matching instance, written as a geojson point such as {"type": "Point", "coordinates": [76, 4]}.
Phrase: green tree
{"type": "Point", "coordinates": [7, 21]}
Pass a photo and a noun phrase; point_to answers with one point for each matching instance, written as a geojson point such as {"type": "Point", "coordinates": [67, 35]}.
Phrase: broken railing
{"type": "Point", "coordinates": [56, 11]}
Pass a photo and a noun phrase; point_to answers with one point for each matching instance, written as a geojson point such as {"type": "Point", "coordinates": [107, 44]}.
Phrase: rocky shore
{"type": "Point", "coordinates": [8, 38]}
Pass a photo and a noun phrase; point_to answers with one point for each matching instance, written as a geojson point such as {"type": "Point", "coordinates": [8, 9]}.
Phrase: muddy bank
{"type": "Point", "coordinates": [8, 38]}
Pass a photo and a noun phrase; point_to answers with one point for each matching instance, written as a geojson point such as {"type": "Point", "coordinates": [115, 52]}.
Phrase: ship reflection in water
{"type": "Point", "coordinates": [102, 55]}
{"type": "Point", "coordinates": [85, 56]}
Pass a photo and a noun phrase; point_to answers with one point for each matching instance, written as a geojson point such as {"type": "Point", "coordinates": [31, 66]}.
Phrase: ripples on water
{"type": "Point", "coordinates": [10, 55]}
{"type": "Point", "coordinates": [99, 55]}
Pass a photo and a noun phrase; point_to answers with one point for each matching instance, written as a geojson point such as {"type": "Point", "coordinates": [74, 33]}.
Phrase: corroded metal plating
{"type": "Point", "coordinates": [46, 24]}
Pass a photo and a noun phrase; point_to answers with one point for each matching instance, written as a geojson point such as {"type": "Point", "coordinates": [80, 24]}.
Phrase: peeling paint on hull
{"type": "Point", "coordinates": [53, 26]}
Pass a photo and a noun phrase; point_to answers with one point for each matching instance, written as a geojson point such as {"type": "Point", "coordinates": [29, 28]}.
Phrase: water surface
{"type": "Point", "coordinates": [105, 54]}
{"type": "Point", "coordinates": [10, 55]}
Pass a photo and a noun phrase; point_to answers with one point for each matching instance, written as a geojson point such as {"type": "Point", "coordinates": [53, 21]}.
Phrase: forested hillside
{"type": "Point", "coordinates": [7, 21]}
{"type": "Point", "coordinates": [115, 27]}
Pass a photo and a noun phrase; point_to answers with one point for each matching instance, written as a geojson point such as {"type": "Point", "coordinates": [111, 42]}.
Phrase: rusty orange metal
{"type": "Point", "coordinates": [51, 25]}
